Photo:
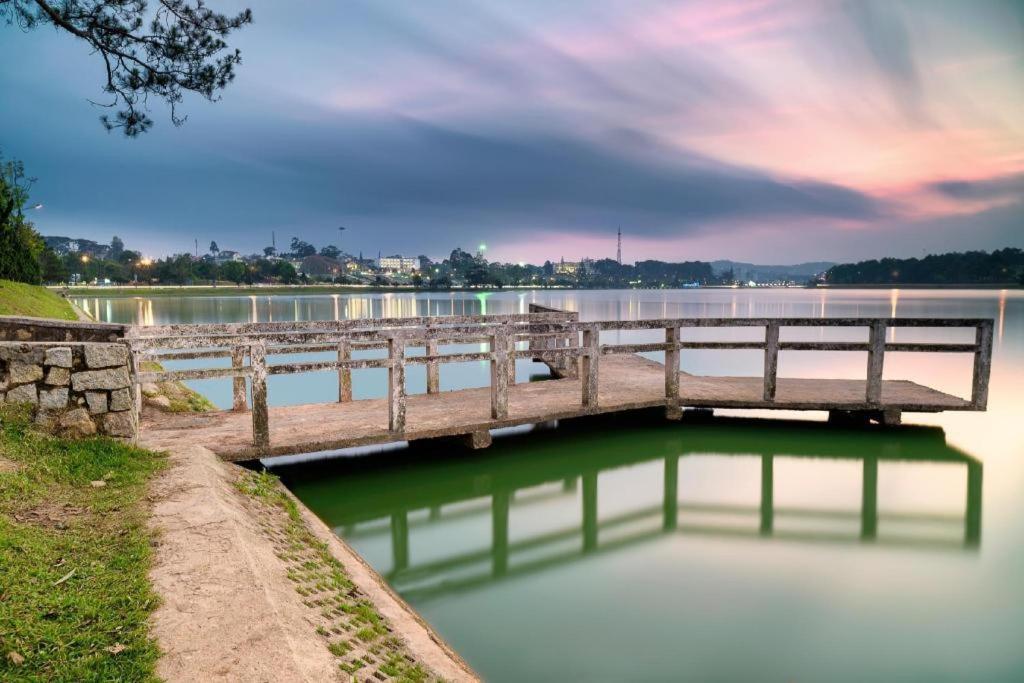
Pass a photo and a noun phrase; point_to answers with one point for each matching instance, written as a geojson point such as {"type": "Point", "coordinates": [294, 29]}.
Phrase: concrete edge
{"type": "Point", "coordinates": [421, 639]}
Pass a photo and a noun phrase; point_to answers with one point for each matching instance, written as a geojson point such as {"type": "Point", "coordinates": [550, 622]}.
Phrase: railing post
{"type": "Point", "coordinates": [672, 410]}
{"type": "Point", "coordinates": [510, 366]}
{"type": "Point", "coordinates": [396, 385]}
{"type": "Point", "coordinates": [433, 369]}
{"type": "Point", "coordinates": [238, 400]}
{"type": "Point", "coordinates": [982, 365]}
{"type": "Point", "coordinates": [499, 374]}
{"type": "Point", "coordinates": [260, 414]}
{"type": "Point", "coordinates": [344, 371]}
{"type": "Point", "coordinates": [771, 359]}
{"type": "Point", "coordinates": [876, 359]}
{"type": "Point", "coordinates": [591, 365]}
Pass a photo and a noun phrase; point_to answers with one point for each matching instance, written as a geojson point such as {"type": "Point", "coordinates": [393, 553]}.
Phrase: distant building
{"type": "Point", "coordinates": [564, 267]}
{"type": "Point", "coordinates": [397, 264]}
{"type": "Point", "coordinates": [227, 255]}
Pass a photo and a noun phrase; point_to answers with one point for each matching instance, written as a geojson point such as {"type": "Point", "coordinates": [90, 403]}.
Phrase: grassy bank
{"type": "Point", "coordinates": [74, 556]}
{"type": "Point", "coordinates": [17, 298]}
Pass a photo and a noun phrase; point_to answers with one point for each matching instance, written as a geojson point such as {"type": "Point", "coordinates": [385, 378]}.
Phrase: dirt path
{"type": "Point", "coordinates": [230, 611]}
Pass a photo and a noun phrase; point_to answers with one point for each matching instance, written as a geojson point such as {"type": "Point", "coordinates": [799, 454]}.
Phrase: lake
{"type": "Point", "coordinates": [729, 549]}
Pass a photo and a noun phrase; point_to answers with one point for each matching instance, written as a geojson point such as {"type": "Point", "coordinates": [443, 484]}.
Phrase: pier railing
{"type": "Point", "coordinates": [554, 337]}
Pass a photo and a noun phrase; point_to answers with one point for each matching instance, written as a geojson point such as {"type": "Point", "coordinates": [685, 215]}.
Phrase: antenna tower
{"type": "Point", "coordinates": [618, 255]}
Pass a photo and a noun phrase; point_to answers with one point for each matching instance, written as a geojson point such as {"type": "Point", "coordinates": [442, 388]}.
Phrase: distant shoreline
{"type": "Point", "coordinates": [206, 290]}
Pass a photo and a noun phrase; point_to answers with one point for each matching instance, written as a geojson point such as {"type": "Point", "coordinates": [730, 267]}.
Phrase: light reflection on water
{"type": "Point", "coordinates": [590, 580]}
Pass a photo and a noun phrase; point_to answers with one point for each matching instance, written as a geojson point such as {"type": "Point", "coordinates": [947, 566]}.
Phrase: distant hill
{"type": "Point", "coordinates": [73, 245]}
{"type": "Point", "coordinates": [800, 272]}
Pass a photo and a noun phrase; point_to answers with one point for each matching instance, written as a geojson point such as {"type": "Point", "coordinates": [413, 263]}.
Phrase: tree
{"type": "Point", "coordinates": [214, 249]}
{"type": "Point", "coordinates": [269, 251]}
{"type": "Point", "coordinates": [286, 272]}
{"type": "Point", "coordinates": [20, 245]}
{"type": "Point", "coordinates": [53, 268]}
{"type": "Point", "coordinates": [165, 53]}
{"type": "Point", "coordinates": [233, 271]}
{"type": "Point", "coordinates": [330, 251]}
{"type": "Point", "coordinates": [116, 247]}
{"type": "Point", "coordinates": [301, 249]}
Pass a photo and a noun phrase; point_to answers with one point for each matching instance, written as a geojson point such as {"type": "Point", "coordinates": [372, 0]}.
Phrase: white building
{"type": "Point", "coordinates": [398, 264]}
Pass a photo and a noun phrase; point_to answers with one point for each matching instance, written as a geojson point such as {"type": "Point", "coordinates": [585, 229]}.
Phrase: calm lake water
{"type": "Point", "coordinates": [732, 549]}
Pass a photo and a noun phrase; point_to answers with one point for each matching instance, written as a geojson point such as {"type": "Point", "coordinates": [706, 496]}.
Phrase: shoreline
{"type": "Point", "coordinates": [161, 291]}
{"type": "Point", "coordinates": [234, 604]}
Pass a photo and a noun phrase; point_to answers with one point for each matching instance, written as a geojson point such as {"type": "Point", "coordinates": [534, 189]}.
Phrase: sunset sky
{"type": "Point", "coordinates": [770, 131]}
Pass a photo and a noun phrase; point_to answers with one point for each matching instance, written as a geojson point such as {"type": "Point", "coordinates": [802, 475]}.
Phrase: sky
{"type": "Point", "coordinates": [771, 131]}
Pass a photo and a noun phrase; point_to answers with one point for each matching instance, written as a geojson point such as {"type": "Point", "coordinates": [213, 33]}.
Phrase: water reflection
{"type": "Point", "coordinates": [400, 498]}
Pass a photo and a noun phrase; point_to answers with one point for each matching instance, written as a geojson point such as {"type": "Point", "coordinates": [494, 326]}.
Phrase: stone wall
{"type": "Point", "coordinates": [19, 328]}
{"type": "Point", "coordinates": [77, 389]}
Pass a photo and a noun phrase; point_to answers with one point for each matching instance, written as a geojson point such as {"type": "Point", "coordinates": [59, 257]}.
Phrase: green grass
{"type": "Point", "coordinates": [18, 298]}
{"type": "Point", "coordinates": [74, 557]}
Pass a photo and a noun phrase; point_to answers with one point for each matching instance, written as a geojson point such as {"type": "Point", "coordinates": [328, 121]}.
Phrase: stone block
{"type": "Point", "coordinates": [76, 423]}
{"type": "Point", "coordinates": [121, 400]}
{"type": "Point", "coordinates": [94, 380]}
{"type": "Point", "coordinates": [24, 353]}
{"type": "Point", "coordinates": [53, 399]}
{"type": "Point", "coordinates": [58, 377]}
{"type": "Point", "coordinates": [26, 393]}
{"type": "Point", "coordinates": [23, 373]}
{"type": "Point", "coordinates": [59, 357]}
{"type": "Point", "coordinates": [97, 401]}
{"type": "Point", "coordinates": [119, 424]}
{"type": "Point", "coordinates": [105, 355]}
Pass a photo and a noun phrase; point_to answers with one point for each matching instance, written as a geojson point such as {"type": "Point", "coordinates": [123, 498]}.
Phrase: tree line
{"type": "Point", "coordinates": [1002, 266]}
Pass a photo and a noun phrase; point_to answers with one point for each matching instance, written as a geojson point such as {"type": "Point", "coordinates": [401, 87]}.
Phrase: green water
{"type": "Point", "coordinates": [734, 549]}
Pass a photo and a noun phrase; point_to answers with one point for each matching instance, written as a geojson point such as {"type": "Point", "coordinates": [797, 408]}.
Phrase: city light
{"type": "Point", "coordinates": [85, 258]}
{"type": "Point", "coordinates": [483, 247]}
{"type": "Point", "coordinates": [145, 262]}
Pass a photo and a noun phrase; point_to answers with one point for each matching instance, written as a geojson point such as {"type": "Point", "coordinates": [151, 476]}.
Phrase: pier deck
{"type": "Point", "coordinates": [627, 382]}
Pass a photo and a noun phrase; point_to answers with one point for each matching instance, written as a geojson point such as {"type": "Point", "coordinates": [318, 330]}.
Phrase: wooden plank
{"type": "Point", "coordinates": [876, 360]}
{"type": "Point", "coordinates": [982, 365]}
{"type": "Point", "coordinates": [771, 359]}
{"type": "Point", "coordinates": [238, 399]}
{"type": "Point", "coordinates": [344, 372]}
{"type": "Point", "coordinates": [591, 366]}
{"type": "Point", "coordinates": [260, 411]}
{"type": "Point", "coordinates": [396, 385]}
{"type": "Point", "coordinates": [499, 376]}
{"type": "Point", "coordinates": [628, 383]}
{"type": "Point", "coordinates": [672, 409]}
{"type": "Point", "coordinates": [433, 368]}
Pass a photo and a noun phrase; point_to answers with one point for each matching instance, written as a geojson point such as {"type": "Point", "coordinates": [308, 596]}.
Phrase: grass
{"type": "Point", "coordinates": [74, 557]}
{"type": "Point", "coordinates": [182, 399]}
{"type": "Point", "coordinates": [18, 298]}
{"type": "Point", "coordinates": [350, 626]}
